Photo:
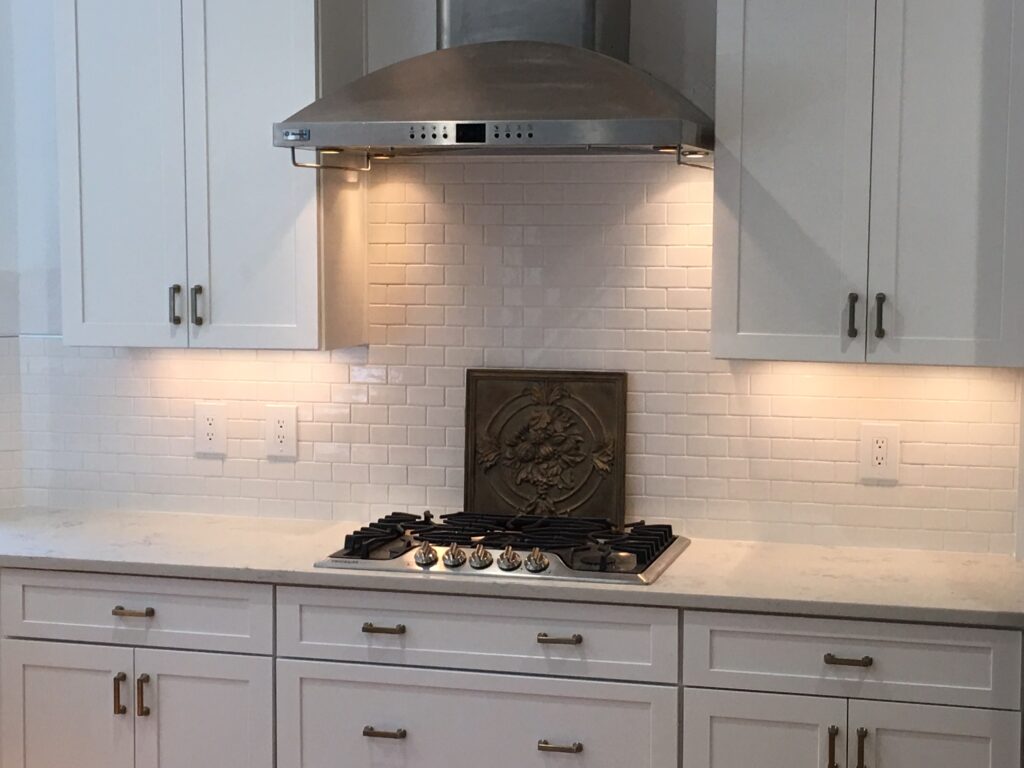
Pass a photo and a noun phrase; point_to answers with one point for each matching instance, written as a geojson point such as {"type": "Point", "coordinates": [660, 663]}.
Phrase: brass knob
{"type": "Point", "coordinates": [509, 560]}
{"type": "Point", "coordinates": [454, 557]}
{"type": "Point", "coordinates": [426, 555]}
{"type": "Point", "coordinates": [480, 558]}
{"type": "Point", "coordinates": [536, 562]}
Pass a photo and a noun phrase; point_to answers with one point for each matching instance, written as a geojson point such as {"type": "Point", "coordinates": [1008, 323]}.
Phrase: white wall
{"type": "Point", "coordinates": [35, 166]}
{"type": "Point", "coordinates": [8, 185]}
{"type": "Point", "coordinates": [586, 264]}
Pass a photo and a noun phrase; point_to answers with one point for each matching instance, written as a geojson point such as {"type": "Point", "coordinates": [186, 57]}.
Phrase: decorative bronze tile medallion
{"type": "Point", "coordinates": [546, 443]}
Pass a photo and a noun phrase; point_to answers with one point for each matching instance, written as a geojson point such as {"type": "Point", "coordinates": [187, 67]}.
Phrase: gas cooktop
{"type": "Point", "coordinates": [527, 546]}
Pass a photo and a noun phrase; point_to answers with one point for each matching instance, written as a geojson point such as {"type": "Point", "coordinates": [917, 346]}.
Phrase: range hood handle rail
{"type": "Point", "coordinates": [318, 166]}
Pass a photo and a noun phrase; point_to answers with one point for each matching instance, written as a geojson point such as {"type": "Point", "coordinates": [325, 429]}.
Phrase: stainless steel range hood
{"type": "Point", "coordinates": [523, 96]}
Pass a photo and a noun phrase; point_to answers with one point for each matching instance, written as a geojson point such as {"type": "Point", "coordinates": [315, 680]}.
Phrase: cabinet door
{"type": "Point", "coordinates": [59, 708]}
{"type": "Point", "coordinates": [728, 729]}
{"type": "Point", "coordinates": [914, 735]}
{"type": "Point", "coordinates": [948, 182]}
{"type": "Point", "coordinates": [252, 216]}
{"type": "Point", "coordinates": [332, 714]}
{"type": "Point", "coordinates": [204, 709]}
{"type": "Point", "coordinates": [120, 141]}
{"type": "Point", "coordinates": [793, 131]}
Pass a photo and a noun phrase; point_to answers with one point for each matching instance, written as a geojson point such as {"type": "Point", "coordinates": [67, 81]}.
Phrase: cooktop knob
{"type": "Point", "coordinates": [454, 557]}
{"type": "Point", "coordinates": [509, 560]}
{"type": "Point", "coordinates": [426, 555]}
{"type": "Point", "coordinates": [536, 561]}
{"type": "Point", "coordinates": [480, 558]}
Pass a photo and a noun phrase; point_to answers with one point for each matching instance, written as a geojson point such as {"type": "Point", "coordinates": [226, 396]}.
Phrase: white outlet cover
{"type": "Point", "coordinates": [880, 465]}
{"type": "Point", "coordinates": [280, 428]}
{"type": "Point", "coordinates": [211, 429]}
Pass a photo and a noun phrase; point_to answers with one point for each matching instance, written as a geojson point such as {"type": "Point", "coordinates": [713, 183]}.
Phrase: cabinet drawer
{"type": "Point", "coordinates": [597, 641]}
{"type": "Point", "coordinates": [195, 615]}
{"type": "Point", "coordinates": [898, 662]}
{"type": "Point", "coordinates": [427, 717]}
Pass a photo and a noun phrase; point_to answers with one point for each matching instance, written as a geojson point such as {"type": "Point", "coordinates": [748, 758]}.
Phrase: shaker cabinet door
{"type": "Point", "coordinates": [59, 706]}
{"type": "Point", "coordinates": [252, 216]}
{"type": "Point", "coordinates": [121, 159]}
{"type": "Point", "coordinates": [204, 709]}
{"type": "Point", "coordinates": [730, 729]}
{"type": "Point", "coordinates": [912, 735]}
{"type": "Point", "coordinates": [793, 132]}
{"type": "Point", "coordinates": [947, 189]}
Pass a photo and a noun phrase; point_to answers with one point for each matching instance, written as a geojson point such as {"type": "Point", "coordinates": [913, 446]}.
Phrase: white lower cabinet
{"type": "Point", "coordinates": [726, 729]}
{"type": "Point", "coordinates": [205, 709]}
{"type": "Point", "coordinates": [329, 714]}
{"type": "Point", "coordinates": [886, 735]}
{"type": "Point", "coordinates": [95, 706]}
{"type": "Point", "coordinates": [730, 729]}
{"type": "Point", "coordinates": [58, 705]}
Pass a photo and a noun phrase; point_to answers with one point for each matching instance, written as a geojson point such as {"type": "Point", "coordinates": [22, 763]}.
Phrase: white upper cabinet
{"type": "Point", "coordinates": [252, 218]}
{"type": "Point", "coordinates": [917, 97]}
{"type": "Point", "coordinates": [121, 156]}
{"type": "Point", "coordinates": [793, 128]}
{"type": "Point", "coordinates": [181, 223]}
{"type": "Point", "coordinates": [947, 244]}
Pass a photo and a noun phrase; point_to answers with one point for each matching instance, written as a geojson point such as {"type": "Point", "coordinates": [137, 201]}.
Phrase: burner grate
{"type": "Point", "coordinates": [583, 543]}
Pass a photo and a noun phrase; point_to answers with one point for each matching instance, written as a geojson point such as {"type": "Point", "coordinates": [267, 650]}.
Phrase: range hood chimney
{"type": "Point", "coordinates": [509, 77]}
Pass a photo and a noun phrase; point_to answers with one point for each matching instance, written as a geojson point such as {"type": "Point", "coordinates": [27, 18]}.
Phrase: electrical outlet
{"type": "Point", "coordinates": [880, 453]}
{"type": "Point", "coordinates": [279, 429]}
{"type": "Point", "coordinates": [211, 429]}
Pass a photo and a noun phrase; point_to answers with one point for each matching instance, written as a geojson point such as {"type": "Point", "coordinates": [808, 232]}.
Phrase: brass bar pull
{"type": "Point", "coordinates": [572, 749]}
{"type": "Point", "coordinates": [880, 316]}
{"type": "Point", "coordinates": [119, 708]}
{"type": "Point", "coordinates": [544, 639]}
{"type": "Point", "coordinates": [373, 733]}
{"type": "Point", "coordinates": [372, 629]}
{"type": "Point", "coordinates": [851, 328]}
{"type": "Point", "coordinates": [838, 661]}
{"type": "Point", "coordinates": [833, 732]}
{"type": "Point", "coordinates": [141, 710]}
{"type": "Point", "coordinates": [172, 304]}
{"type": "Point", "coordinates": [124, 613]}
{"type": "Point", "coordinates": [862, 736]}
{"type": "Point", "coordinates": [197, 291]}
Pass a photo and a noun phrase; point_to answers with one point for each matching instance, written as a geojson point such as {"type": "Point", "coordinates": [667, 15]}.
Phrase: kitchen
{"type": "Point", "coordinates": [241, 372]}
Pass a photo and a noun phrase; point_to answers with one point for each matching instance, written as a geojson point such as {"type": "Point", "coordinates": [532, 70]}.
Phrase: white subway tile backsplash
{"type": "Point", "coordinates": [589, 264]}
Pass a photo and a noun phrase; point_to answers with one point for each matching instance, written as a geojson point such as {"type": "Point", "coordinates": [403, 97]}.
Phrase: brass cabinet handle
{"type": "Point", "coordinates": [125, 613]}
{"type": "Point", "coordinates": [373, 733]}
{"type": "Point", "coordinates": [833, 732]}
{"type": "Point", "coordinates": [862, 736]}
{"type": "Point", "coordinates": [141, 710]}
{"type": "Point", "coordinates": [372, 629]}
{"type": "Point", "coordinates": [172, 304]}
{"type": "Point", "coordinates": [851, 327]}
{"type": "Point", "coordinates": [573, 749]}
{"type": "Point", "coordinates": [119, 708]}
{"type": "Point", "coordinates": [196, 292]}
{"type": "Point", "coordinates": [838, 661]}
{"type": "Point", "coordinates": [544, 639]}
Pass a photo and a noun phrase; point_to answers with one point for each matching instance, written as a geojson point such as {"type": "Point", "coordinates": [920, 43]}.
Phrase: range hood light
{"type": "Point", "coordinates": [693, 154]}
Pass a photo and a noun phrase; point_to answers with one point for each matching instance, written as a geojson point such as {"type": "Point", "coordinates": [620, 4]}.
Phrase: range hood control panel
{"type": "Point", "coordinates": [434, 134]}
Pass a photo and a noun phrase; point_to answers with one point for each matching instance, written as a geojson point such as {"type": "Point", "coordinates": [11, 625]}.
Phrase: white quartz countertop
{"type": "Point", "coordinates": [884, 584]}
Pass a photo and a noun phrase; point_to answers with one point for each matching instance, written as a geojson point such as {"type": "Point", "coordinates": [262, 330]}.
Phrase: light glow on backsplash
{"type": "Point", "coordinates": [558, 264]}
